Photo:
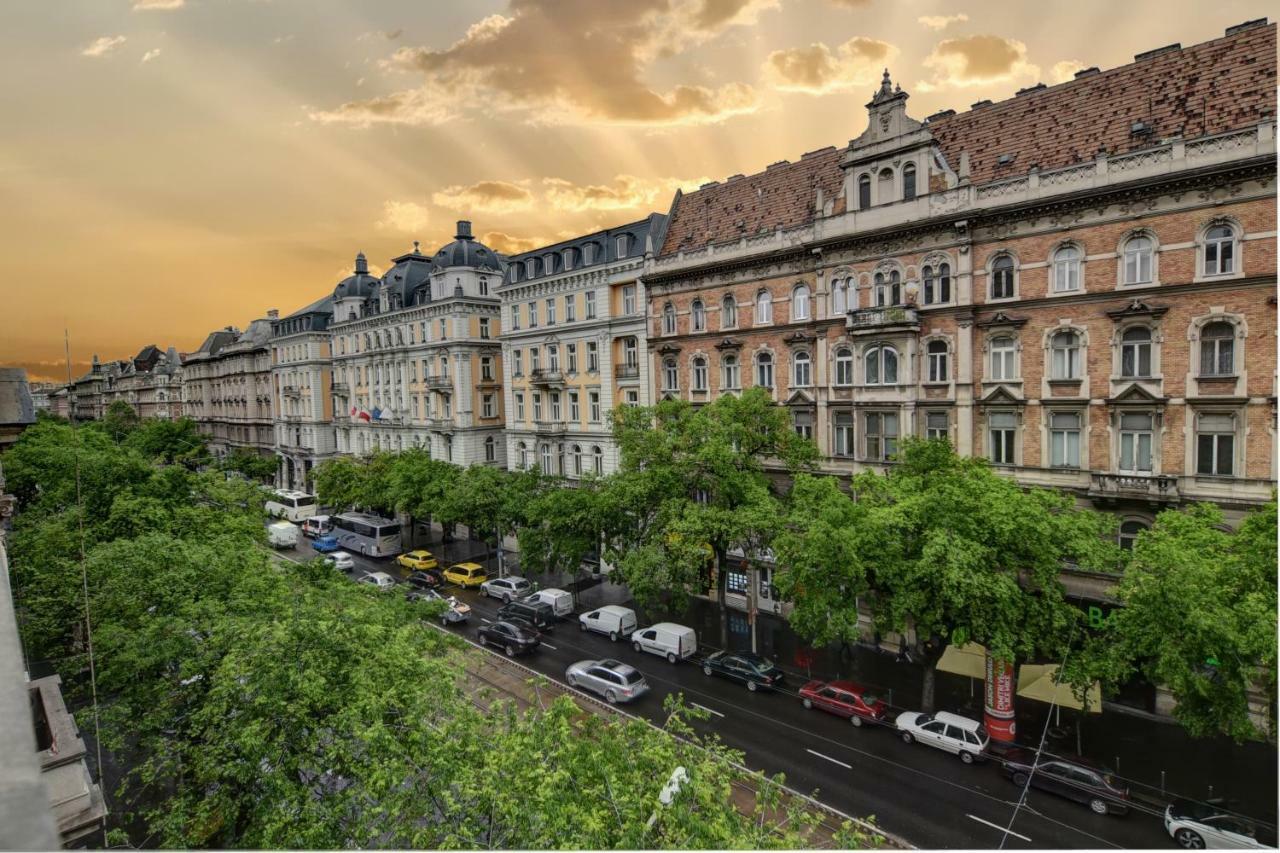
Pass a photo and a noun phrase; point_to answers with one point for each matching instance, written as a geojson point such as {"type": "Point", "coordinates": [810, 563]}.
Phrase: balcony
{"type": "Point", "coordinates": [888, 317]}
{"type": "Point", "coordinates": [442, 383]}
{"type": "Point", "coordinates": [549, 428]}
{"type": "Point", "coordinates": [546, 377]}
{"type": "Point", "coordinates": [626, 371]}
{"type": "Point", "coordinates": [341, 388]}
{"type": "Point", "coordinates": [285, 391]}
{"type": "Point", "coordinates": [1157, 488]}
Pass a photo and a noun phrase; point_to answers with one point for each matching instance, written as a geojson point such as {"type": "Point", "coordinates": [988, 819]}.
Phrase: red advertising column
{"type": "Point", "coordinates": [998, 718]}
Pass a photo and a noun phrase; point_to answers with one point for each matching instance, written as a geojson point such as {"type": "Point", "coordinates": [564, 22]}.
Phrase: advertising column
{"type": "Point", "coordinates": [998, 717]}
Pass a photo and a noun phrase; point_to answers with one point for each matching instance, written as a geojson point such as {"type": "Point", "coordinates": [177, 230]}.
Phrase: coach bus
{"type": "Point", "coordinates": [370, 535]}
{"type": "Point", "coordinates": [295, 506]}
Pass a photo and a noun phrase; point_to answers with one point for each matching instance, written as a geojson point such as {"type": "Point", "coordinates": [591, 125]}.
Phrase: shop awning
{"type": "Point", "coordinates": [969, 659]}
{"type": "Point", "coordinates": [1039, 682]}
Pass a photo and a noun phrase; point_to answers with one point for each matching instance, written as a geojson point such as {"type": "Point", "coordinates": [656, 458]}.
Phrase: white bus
{"type": "Point", "coordinates": [295, 506]}
{"type": "Point", "coordinates": [371, 535]}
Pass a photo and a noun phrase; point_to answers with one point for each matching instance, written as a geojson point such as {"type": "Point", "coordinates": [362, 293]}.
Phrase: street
{"type": "Point", "coordinates": [923, 795]}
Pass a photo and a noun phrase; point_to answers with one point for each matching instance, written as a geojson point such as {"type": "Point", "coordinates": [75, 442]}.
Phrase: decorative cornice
{"type": "Point", "coordinates": [1137, 308]}
{"type": "Point", "coordinates": [1002, 319]}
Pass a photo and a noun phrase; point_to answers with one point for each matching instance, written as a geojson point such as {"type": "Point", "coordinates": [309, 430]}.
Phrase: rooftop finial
{"type": "Point", "coordinates": [886, 85]}
{"type": "Point", "coordinates": [362, 265]}
{"type": "Point", "coordinates": [415, 247]}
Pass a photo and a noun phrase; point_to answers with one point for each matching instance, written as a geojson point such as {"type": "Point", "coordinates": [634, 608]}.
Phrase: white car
{"type": "Point", "coordinates": [506, 589]}
{"type": "Point", "coordinates": [1201, 826]}
{"type": "Point", "coordinates": [381, 580]}
{"type": "Point", "coordinates": [340, 560]}
{"type": "Point", "coordinates": [950, 732]}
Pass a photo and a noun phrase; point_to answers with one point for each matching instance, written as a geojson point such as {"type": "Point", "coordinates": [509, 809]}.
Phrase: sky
{"type": "Point", "coordinates": [171, 167]}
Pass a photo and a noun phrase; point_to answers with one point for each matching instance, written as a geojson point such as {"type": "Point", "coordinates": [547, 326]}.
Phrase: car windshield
{"type": "Point", "coordinates": [981, 732]}
{"type": "Point", "coordinates": [762, 664]}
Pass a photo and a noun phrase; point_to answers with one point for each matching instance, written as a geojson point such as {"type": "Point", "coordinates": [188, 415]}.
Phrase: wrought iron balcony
{"type": "Point", "coordinates": [341, 388]}
{"type": "Point", "coordinates": [443, 383]}
{"type": "Point", "coordinates": [1153, 487]}
{"type": "Point", "coordinates": [877, 319]}
{"type": "Point", "coordinates": [626, 371]}
{"type": "Point", "coordinates": [289, 391]}
{"type": "Point", "coordinates": [546, 377]}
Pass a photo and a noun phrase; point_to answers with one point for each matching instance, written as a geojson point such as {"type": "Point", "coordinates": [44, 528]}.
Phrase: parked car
{"type": "Point", "coordinates": [381, 580]}
{"type": "Point", "coordinates": [282, 534]}
{"type": "Point", "coordinates": [614, 680]}
{"type": "Point", "coordinates": [455, 611]}
{"type": "Point", "coordinates": [428, 579]}
{"type": "Point", "coordinates": [466, 574]}
{"type": "Point", "coordinates": [666, 639]}
{"type": "Point", "coordinates": [561, 602]}
{"type": "Point", "coordinates": [950, 732]}
{"type": "Point", "coordinates": [844, 699]}
{"type": "Point", "coordinates": [506, 589]}
{"type": "Point", "coordinates": [340, 560]}
{"type": "Point", "coordinates": [325, 544]}
{"type": "Point", "coordinates": [512, 637]}
{"type": "Point", "coordinates": [316, 525]}
{"type": "Point", "coordinates": [536, 613]}
{"type": "Point", "coordinates": [612, 620]}
{"type": "Point", "coordinates": [752, 670]}
{"type": "Point", "coordinates": [419, 559]}
{"type": "Point", "coordinates": [1076, 779]}
{"type": "Point", "coordinates": [1206, 826]}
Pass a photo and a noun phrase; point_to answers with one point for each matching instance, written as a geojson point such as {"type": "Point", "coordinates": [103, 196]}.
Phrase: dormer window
{"type": "Point", "coordinates": [566, 258]}
{"type": "Point", "coordinates": [622, 245]}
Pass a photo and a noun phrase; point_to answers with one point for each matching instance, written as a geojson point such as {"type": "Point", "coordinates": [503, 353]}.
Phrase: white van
{"type": "Point", "coordinates": [282, 534]}
{"type": "Point", "coordinates": [561, 602]}
{"type": "Point", "coordinates": [666, 639]}
{"type": "Point", "coordinates": [612, 619]}
{"type": "Point", "coordinates": [317, 525]}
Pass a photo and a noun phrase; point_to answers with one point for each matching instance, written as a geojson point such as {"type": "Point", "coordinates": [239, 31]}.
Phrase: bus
{"type": "Point", "coordinates": [371, 535]}
{"type": "Point", "coordinates": [295, 506]}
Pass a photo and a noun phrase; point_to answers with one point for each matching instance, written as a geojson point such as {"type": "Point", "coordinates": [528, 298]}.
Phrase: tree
{"type": "Point", "coordinates": [171, 442]}
{"type": "Point", "coordinates": [491, 502]}
{"type": "Point", "coordinates": [418, 485]}
{"type": "Point", "coordinates": [120, 420]}
{"type": "Point", "coordinates": [255, 466]}
{"type": "Point", "coordinates": [365, 483]}
{"type": "Point", "coordinates": [561, 527]}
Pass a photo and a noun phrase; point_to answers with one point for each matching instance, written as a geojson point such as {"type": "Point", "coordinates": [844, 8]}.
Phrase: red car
{"type": "Point", "coordinates": [845, 699]}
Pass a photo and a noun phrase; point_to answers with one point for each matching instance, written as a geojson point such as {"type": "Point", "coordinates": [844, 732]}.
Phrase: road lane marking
{"type": "Point", "coordinates": [489, 621]}
{"type": "Point", "coordinates": [841, 763]}
{"type": "Point", "coordinates": [549, 646]}
{"type": "Point", "coordinates": [705, 708]}
{"type": "Point", "coordinates": [1001, 828]}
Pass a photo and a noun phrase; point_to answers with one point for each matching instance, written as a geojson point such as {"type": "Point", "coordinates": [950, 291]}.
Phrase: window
{"type": "Point", "coordinates": [522, 454]}
{"type": "Point", "coordinates": [1004, 355]}
{"type": "Point", "coordinates": [593, 405]}
{"type": "Point", "coordinates": [764, 370]}
{"type": "Point", "coordinates": [589, 304]}
{"type": "Point", "coordinates": [1135, 352]}
{"type": "Point", "coordinates": [575, 414]}
{"type": "Point", "coordinates": [486, 369]}
{"type": "Point", "coordinates": [1220, 250]}
{"type": "Point", "coordinates": [571, 353]}
{"type": "Point", "coordinates": [864, 192]}
{"type": "Point", "coordinates": [519, 406]}
{"type": "Point", "coordinates": [881, 366]}
{"type": "Point", "coordinates": [551, 311]}
{"type": "Point", "coordinates": [1135, 443]}
{"type": "Point", "coordinates": [908, 182]}
{"type": "Point", "coordinates": [888, 288]}
{"type": "Point", "coordinates": [444, 329]}
{"type": "Point", "coordinates": [484, 287]}
{"type": "Point", "coordinates": [1002, 428]}
{"type": "Point", "coordinates": [1137, 260]}
{"type": "Point", "coordinates": [1066, 269]}
{"type": "Point", "coordinates": [566, 257]}
{"type": "Point", "coordinates": [546, 459]}
{"type": "Point", "coordinates": [553, 357]}
{"type": "Point", "coordinates": [515, 317]}
{"type": "Point", "coordinates": [668, 319]}
{"type": "Point", "coordinates": [1217, 349]}
{"type": "Point", "coordinates": [881, 435]}
{"type": "Point", "coordinates": [801, 370]}
{"type": "Point", "coordinates": [729, 372]}
{"type": "Point", "coordinates": [843, 422]}
{"type": "Point", "coordinates": [488, 406]}
{"type": "Point", "coordinates": [535, 359]}
{"type": "Point", "coordinates": [670, 375]}
{"type": "Point", "coordinates": [621, 245]}
{"type": "Point", "coordinates": [555, 406]}
{"type": "Point", "coordinates": [593, 357]}
{"type": "Point", "coordinates": [629, 299]}
{"type": "Point", "coordinates": [1065, 350]}
{"type": "Point", "coordinates": [537, 406]}
{"type": "Point", "coordinates": [736, 580]}
{"type": "Point", "coordinates": [598, 455]}
{"type": "Point", "coordinates": [1064, 439]}
{"type": "Point", "coordinates": [800, 303]}
{"type": "Point", "coordinates": [884, 186]}
{"type": "Point", "coordinates": [577, 459]}
{"type": "Point", "coordinates": [517, 363]}
{"type": "Point", "coordinates": [630, 356]}
{"type": "Point", "coordinates": [937, 354]}
{"type": "Point", "coordinates": [937, 284]}
{"type": "Point", "coordinates": [728, 312]}
{"type": "Point", "coordinates": [700, 374]}
{"type": "Point", "coordinates": [533, 315]}
{"type": "Point", "coordinates": [570, 308]}
{"type": "Point", "coordinates": [1129, 532]}
{"type": "Point", "coordinates": [803, 423]}
{"type": "Point", "coordinates": [633, 397]}
{"type": "Point", "coordinates": [841, 289]}
{"type": "Point", "coordinates": [699, 316]}
{"type": "Point", "coordinates": [936, 426]}
{"type": "Point", "coordinates": [1215, 444]}
{"type": "Point", "coordinates": [764, 308]}
{"type": "Point", "coordinates": [844, 366]}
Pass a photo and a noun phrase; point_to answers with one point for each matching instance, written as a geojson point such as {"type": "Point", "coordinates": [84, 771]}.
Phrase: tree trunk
{"type": "Point", "coordinates": [926, 687]}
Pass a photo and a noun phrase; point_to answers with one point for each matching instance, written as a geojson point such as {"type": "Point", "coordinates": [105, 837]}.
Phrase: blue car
{"type": "Point", "coordinates": [325, 544]}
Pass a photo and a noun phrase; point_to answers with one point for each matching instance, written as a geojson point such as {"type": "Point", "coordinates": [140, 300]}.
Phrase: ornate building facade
{"type": "Point", "coordinates": [150, 383]}
{"type": "Point", "coordinates": [302, 401]}
{"type": "Point", "coordinates": [227, 388]}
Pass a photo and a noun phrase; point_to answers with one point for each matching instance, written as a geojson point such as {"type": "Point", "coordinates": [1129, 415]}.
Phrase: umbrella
{"type": "Point", "coordinates": [1040, 682]}
{"type": "Point", "coordinates": [969, 659]}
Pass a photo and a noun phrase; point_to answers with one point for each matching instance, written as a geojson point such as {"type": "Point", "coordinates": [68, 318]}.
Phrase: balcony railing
{"type": "Point", "coordinates": [442, 382]}
{"type": "Point", "coordinates": [285, 390]}
{"type": "Point", "coordinates": [1155, 487]}
{"type": "Point", "coordinates": [341, 388]}
{"type": "Point", "coordinates": [626, 371]}
{"type": "Point", "coordinates": [888, 315]}
{"type": "Point", "coordinates": [550, 428]}
{"type": "Point", "coordinates": [546, 377]}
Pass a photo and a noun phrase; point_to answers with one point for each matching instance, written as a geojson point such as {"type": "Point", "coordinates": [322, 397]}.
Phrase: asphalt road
{"type": "Point", "coordinates": [921, 794]}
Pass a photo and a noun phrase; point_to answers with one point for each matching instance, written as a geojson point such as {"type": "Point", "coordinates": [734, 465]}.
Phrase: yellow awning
{"type": "Point", "coordinates": [1039, 682]}
{"type": "Point", "coordinates": [969, 659]}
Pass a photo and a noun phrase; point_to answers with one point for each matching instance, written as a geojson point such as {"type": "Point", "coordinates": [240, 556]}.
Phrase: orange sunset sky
{"type": "Point", "coordinates": [168, 167]}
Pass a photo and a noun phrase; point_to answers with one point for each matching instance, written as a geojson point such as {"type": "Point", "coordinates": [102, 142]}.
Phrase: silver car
{"type": "Point", "coordinates": [381, 580]}
{"type": "Point", "coordinates": [455, 611]}
{"type": "Point", "coordinates": [614, 680]}
{"type": "Point", "coordinates": [340, 560]}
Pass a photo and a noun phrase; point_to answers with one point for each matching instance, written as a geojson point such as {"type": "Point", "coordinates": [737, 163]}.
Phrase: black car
{"type": "Point", "coordinates": [512, 637]}
{"type": "Point", "coordinates": [1076, 779]}
{"type": "Point", "coordinates": [535, 613]}
{"type": "Point", "coordinates": [753, 670]}
{"type": "Point", "coordinates": [425, 579]}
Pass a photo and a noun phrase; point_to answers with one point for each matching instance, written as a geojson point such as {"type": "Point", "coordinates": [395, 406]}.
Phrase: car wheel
{"type": "Point", "coordinates": [1189, 839]}
{"type": "Point", "coordinates": [1020, 779]}
{"type": "Point", "coordinates": [613, 636]}
{"type": "Point", "coordinates": [572, 680]}
{"type": "Point", "coordinates": [907, 738]}
{"type": "Point", "coordinates": [444, 623]}
{"type": "Point", "coordinates": [752, 686]}
{"type": "Point", "coordinates": [1098, 805]}
{"type": "Point", "coordinates": [506, 599]}
{"type": "Point", "coordinates": [671, 657]}
{"type": "Point", "coordinates": [611, 697]}
{"type": "Point", "coordinates": [808, 704]}
{"type": "Point", "coordinates": [706, 670]}
{"type": "Point", "coordinates": [966, 756]}
{"type": "Point", "coordinates": [511, 651]}
{"type": "Point", "coordinates": [582, 626]}
{"type": "Point", "coordinates": [856, 720]}
{"type": "Point", "coordinates": [635, 646]}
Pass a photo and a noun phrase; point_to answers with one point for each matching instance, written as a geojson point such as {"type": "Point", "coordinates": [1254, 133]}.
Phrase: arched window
{"type": "Point", "coordinates": [888, 288]}
{"type": "Point", "coordinates": [764, 370]}
{"type": "Point", "coordinates": [1129, 533]}
{"type": "Point", "coordinates": [1065, 348]}
{"type": "Point", "coordinates": [490, 449]}
{"type": "Point", "coordinates": [577, 459]}
{"type": "Point", "coordinates": [841, 288]}
{"type": "Point", "coordinates": [937, 355]}
{"type": "Point", "coordinates": [937, 284]}
{"type": "Point", "coordinates": [1135, 352]}
{"type": "Point", "coordinates": [802, 370]}
{"type": "Point", "coordinates": [668, 319]}
{"type": "Point", "coordinates": [764, 308]}
{"type": "Point", "coordinates": [908, 182]}
{"type": "Point", "coordinates": [800, 302]}
{"type": "Point", "coordinates": [864, 192]}
{"type": "Point", "coordinates": [844, 366]}
{"type": "Point", "coordinates": [728, 312]}
{"type": "Point", "coordinates": [881, 366]}
{"type": "Point", "coordinates": [1002, 278]}
{"type": "Point", "coordinates": [1220, 250]}
{"type": "Point", "coordinates": [1218, 349]}
{"type": "Point", "coordinates": [670, 375]}
{"type": "Point", "coordinates": [884, 186]}
{"type": "Point", "coordinates": [522, 454]}
{"type": "Point", "coordinates": [1066, 269]}
{"type": "Point", "coordinates": [699, 314]}
{"type": "Point", "coordinates": [1137, 260]}
{"type": "Point", "coordinates": [598, 456]}
{"type": "Point", "coordinates": [699, 373]}
{"type": "Point", "coordinates": [729, 378]}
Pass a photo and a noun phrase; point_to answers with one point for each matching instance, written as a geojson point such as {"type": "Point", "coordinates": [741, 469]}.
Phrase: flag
{"type": "Point", "coordinates": [353, 411]}
{"type": "Point", "coordinates": [377, 413]}
{"type": "Point", "coordinates": [364, 415]}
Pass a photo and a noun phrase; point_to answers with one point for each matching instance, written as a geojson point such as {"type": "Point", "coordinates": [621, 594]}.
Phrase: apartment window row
{"type": "Point", "coordinates": [551, 459]}
{"type": "Point", "coordinates": [555, 409]}
{"type": "Point", "coordinates": [550, 311]}
{"type": "Point", "coordinates": [552, 358]}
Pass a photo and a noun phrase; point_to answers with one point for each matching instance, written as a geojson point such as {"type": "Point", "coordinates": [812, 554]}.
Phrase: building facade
{"type": "Point", "coordinates": [150, 383]}
{"type": "Point", "coordinates": [301, 392]}
{"type": "Point", "coordinates": [227, 388]}
{"type": "Point", "coordinates": [574, 346]}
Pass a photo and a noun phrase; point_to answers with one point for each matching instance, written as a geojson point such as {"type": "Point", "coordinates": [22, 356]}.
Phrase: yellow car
{"type": "Point", "coordinates": [417, 560]}
{"type": "Point", "coordinates": [466, 574]}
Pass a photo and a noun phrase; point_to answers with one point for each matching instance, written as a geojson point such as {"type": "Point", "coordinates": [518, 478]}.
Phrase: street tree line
{"type": "Point", "coordinates": [940, 544]}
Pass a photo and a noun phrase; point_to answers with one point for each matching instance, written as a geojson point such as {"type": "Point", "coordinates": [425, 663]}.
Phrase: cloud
{"type": "Point", "coordinates": [157, 5]}
{"type": "Point", "coordinates": [486, 196]}
{"type": "Point", "coordinates": [151, 54]}
{"type": "Point", "coordinates": [977, 61]}
{"type": "Point", "coordinates": [407, 216]}
{"type": "Point", "coordinates": [502, 242]}
{"type": "Point", "coordinates": [817, 70]}
{"type": "Point", "coordinates": [102, 46]}
{"type": "Point", "coordinates": [941, 22]}
{"type": "Point", "coordinates": [1065, 70]}
{"type": "Point", "coordinates": [389, 35]}
{"type": "Point", "coordinates": [565, 61]}
{"type": "Point", "coordinates": [626, 192]}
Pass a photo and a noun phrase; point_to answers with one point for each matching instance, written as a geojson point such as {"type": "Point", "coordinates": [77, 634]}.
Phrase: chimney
{"type": "Point", "coordinates": [273, 314]}
{"type": "Point", "coordinates": [464, 230]}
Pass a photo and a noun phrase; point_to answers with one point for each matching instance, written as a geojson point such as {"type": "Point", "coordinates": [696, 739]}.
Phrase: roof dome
{"type": "Point", "coordinates": [359, 284]}
{"type": "Point", "coordinates": [466, 251]}
{"type": "Point", "coordinates": [408, 273]}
